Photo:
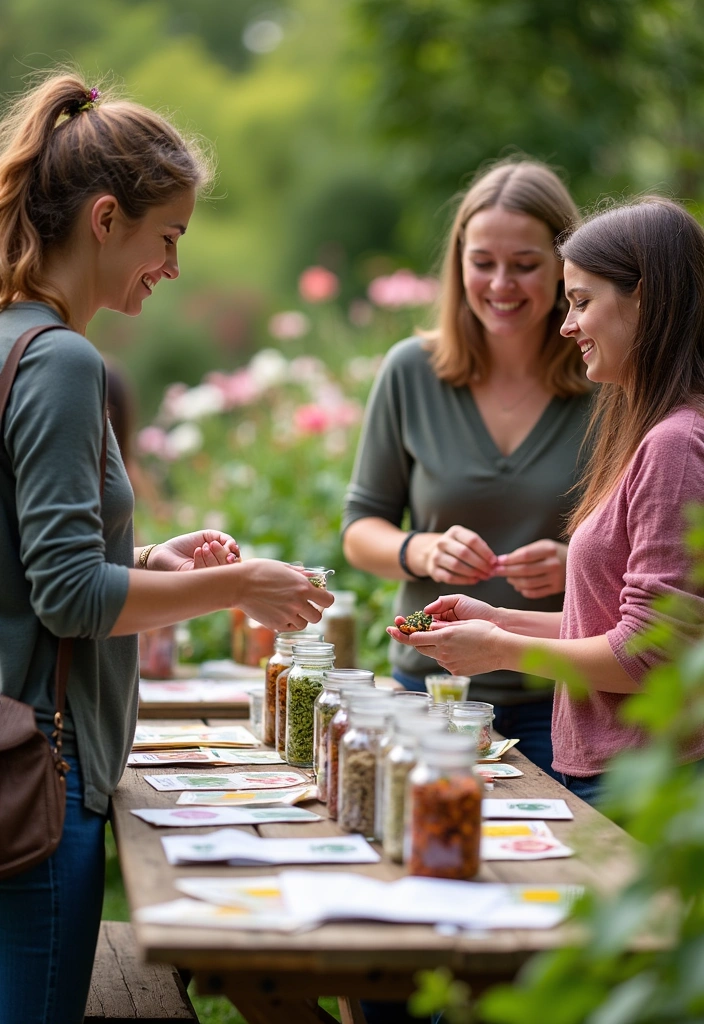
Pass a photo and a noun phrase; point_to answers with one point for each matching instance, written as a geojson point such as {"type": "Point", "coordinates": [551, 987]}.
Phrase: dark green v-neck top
{"type": "Point", "coordinates": [425, 447]}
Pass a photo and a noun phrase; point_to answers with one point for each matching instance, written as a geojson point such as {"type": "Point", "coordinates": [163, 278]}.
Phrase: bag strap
{"type": "Point", "coordinates": [7, 378]}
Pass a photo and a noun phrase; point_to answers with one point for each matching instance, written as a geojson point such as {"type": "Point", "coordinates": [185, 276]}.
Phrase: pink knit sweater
{"type": "Point", "coordinates": [626, 553]}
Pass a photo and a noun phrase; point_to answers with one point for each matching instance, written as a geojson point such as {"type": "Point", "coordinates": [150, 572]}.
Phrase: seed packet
{"type": "Point", "coordinates": [243, 780]}
{"type": "Point", "coordinates": [183, 817]}
{"type": "Point", "coordinates": [248, 798]}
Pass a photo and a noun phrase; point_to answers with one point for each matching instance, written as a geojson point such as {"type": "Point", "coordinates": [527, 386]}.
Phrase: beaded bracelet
{"type": "Point", "coordinates": [402, 556]}
{"type": "Point", "coordinates": [144, 556]}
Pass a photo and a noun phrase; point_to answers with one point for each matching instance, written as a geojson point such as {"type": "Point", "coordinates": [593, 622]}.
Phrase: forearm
{"type": "Point", "coordinates": [591, 658]}
{"type": "Point", "coordinates": [373, 544]}
{"type": "Point", "coordinates": [526, 623]}
{"type": "Point", "coordinates": [161, 598]}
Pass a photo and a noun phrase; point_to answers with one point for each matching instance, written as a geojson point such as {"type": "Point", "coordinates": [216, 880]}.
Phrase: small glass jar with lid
{"type": "Point", "coordinates": [473, 718]}
{"type": "Point", "coordinates": [327, 703]}
{"type": "Point", "coordinates": [442, 710]}
{"type": "Point", "coordinates": [359, 752]}
{"type": "Point", "coordinates": [280, 659]}
{"type": "Point", "coordinates": [444, 809]}
{"type": "Point", "coordinates": [337, 729]}
{"type": "Point", "coordinates": [305, 681]}
{"type": "Point", "coordinates": [396, 765]}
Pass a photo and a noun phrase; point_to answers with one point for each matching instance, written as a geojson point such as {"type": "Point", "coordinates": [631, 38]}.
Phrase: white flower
{"type": "Point", "coordinates": [194, 404]}
{"type": "Point", "coordinates": [269, 368]}
{"type": "Point", "coordinates": [185, 439]}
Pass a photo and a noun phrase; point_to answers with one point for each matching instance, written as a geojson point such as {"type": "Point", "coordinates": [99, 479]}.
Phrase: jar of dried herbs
{"type": "Point", "coordinates": [279, 660]}
{"type": "Point", "coordinates": [473, 718]}
{"type": "Point", "coordinates": [359, 750]}
{"type": "Point", "coordinates": [444, 809]}
{"type": "Point", "coordinates": [396, 765]}
{"type": "Point", "coordinates": [305, 681]}
{"type": "Point", "coordinates": [327, 703]}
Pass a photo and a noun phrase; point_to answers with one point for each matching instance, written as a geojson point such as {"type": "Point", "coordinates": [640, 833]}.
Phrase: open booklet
{"type": "Point", "coordinates": [298, 900]}
{"type": "Point", "coordinates": [231, 846]}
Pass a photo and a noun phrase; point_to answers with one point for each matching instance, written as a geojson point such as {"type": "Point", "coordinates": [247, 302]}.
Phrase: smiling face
{"type": "Point", "coordinates": [601, 320]}
{"type": "Point", "coordinates": [135, 256]}
{"type": "Point", "coordinates": [510, 271]}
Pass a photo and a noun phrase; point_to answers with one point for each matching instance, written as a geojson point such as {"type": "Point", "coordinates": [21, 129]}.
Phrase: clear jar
{"type": "Point", "coordinates": [443, 687]}
{"type": "Point", "coordinates": [473, 718]}
{"type": "Point", "coordinates": [305, 681]}
{"type": "Point", "coordinates": [279, 660]}
{"type": "Point", "coordinates": [256, 711]}
{"type": "Point", "coordinates": [396, 765]}
{"type": "Point", "coordinates": [444, 809]}
{"type": "Point", "coordinates": [439, 709]}
{"type": "Point", "coordinates": [327, 703]}
{"type": "Point", "coordinates": [339, 624]}
{"type": "Point", "coordinates": [359, 751]}
{"type": "Point", "coordinates": [413, 699]}
{"type": "Point", "coordinates": [337, 729]}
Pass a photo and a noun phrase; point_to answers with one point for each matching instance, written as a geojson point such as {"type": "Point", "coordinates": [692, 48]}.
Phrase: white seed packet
{"type": "Point", "coordinates": [242, 780]}
{"type": "Point", "coordinates": [527, 807]}
{"type": "Point", "coordinates": [183, 817]}
{"type": "Point", "coordinates": [232, 846]}
{"type": "Point", "coordinates": [249, 798]}
{"type": "Point", "coordinates": [520, 840]}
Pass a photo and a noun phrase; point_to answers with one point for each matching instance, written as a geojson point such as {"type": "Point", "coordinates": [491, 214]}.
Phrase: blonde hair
{"type": "Point", "coordinates": [459, 351]}
{"type": "Point", "coordinates": [57, 148]}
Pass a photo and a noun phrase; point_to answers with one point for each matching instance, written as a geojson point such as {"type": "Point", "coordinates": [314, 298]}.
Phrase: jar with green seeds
{"type": "Point", "coordinates": [305, 682]}
{"type": "Point", "coordinates": [327, 703]}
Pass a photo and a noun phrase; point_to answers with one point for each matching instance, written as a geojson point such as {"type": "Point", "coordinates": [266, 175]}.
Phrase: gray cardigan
{"type": "Point", "coordinates": [425, 448]}
{"type": "Point", "coordinates": [63, 557]}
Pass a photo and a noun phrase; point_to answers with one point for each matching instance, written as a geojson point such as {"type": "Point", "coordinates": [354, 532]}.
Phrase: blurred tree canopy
{"type": "Point", "coordinates": [343, 130]}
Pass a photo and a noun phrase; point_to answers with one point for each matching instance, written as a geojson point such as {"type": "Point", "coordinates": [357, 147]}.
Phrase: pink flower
{"type": "Point", "coordinates": [152, 441]}
{"type": "Point", "coordinates": [289, 325]}
{"type": "Point", "coordinates": [402, 289]}
{"type": "Point", "coordinates": [317, 284]}
{"type": "Point", "coordinates": [311, 419]}
{"type": "Point", "coordinates": [238, 388]}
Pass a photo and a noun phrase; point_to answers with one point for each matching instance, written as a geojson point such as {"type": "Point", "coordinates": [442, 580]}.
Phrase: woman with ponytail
{"type": "Point", "coordinates": [95, 194]}
{"type": "Point", "coordinates": [634, 278]}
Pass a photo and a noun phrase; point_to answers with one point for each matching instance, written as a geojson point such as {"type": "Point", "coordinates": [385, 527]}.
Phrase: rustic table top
{"type": "Point", "coordinates": [604, 859]}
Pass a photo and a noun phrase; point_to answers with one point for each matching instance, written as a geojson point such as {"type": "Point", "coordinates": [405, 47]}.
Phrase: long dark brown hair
{"type": "Point", "coordinates": [459, 351]}
{"type": "Point", "coordinates": [57, 149]}
{"type": "Point", "coordinates": [653, 241]}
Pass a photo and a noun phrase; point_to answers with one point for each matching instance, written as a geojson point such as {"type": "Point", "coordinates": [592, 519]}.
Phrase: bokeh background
{"type": "Point", "coordinates": [342, 132]}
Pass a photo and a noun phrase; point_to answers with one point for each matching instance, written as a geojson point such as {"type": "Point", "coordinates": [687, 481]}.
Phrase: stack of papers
{"type": "Point", "coordinates": [242, 780]}
{"type": "Point", "coordinates": [497, 750]}
{"type": "Point", "coordinates": [520, 840]}
{"type": "Point", "coordinates": [184, 816]}
{"type": "Point", "coordinates": [202, 755]}
{"type": "Point", "coordinates": [176, 736]}
{"type": "Point", "coordinates": [297, 900]}
{"type": "Point", "coordinates": [234, 847]}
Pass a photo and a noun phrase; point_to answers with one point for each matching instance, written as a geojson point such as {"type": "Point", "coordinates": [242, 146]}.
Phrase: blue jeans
{"type": "Point", "coordinates": [530, 722]}
{"type": "Point", "coordinates": [587, 789]}
{"type": "Point", "coordinates": [50, 919]}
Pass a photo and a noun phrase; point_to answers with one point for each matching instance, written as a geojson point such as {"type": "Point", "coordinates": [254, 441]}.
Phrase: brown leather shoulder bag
{"type": "Point", "coordinates": [32, 769]}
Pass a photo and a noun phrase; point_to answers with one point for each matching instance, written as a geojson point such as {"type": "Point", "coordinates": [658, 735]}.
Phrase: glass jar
{"type": "Point", "coordinates": [305, 681]}
{"type": "Point", "coordinates": [396, 765]}
{"type": "Point", "coordinates": [157, 653]}
{"type": "Point", "coordinates": [337, 729]}
{"type": "Point", "coordinates": [327, 703]}
{"type": "Point", "coordinates": [439, 709]}
{"type": "Point", "coordinates": [256, 710]}
{"type": "Point", "coordinates": [359, 750]}
{"type": "Point", "coordinates": [444, 809]}
{"type": "Point", "coordinates": [413, 699]}
{"type": "Point", "coordinates": [339, 623]}
{"type": "Point", "coordinates": [443, 687]}
{"type": "Point", "coordinates": [473, 718]}
{"type": "Point", "coordinates": [279, 660]}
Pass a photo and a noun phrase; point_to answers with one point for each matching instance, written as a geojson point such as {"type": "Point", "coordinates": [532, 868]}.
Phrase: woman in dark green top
{"type": "Point", "coordinates": [475, 430]}
{"type": "Point", "coordinates": [94, 197]}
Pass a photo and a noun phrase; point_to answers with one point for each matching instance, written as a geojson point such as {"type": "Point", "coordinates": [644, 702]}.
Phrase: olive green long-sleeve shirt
{"type": "Point", "coordinates": [64, 555]}
{"type": "Point", "coordinates": [425, 447]}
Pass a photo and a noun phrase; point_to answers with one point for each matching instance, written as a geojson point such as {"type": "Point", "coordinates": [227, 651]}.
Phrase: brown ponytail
{"type": "Point", "coordinates": [58, 148]}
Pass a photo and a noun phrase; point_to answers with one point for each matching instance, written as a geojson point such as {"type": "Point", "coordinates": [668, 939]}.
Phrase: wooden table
{"type": "Point", "coordinates": [272, 977]}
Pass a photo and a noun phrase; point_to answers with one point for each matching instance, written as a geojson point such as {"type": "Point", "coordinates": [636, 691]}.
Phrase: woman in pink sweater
{"type": "Point", "coordinates": [634, 277]}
